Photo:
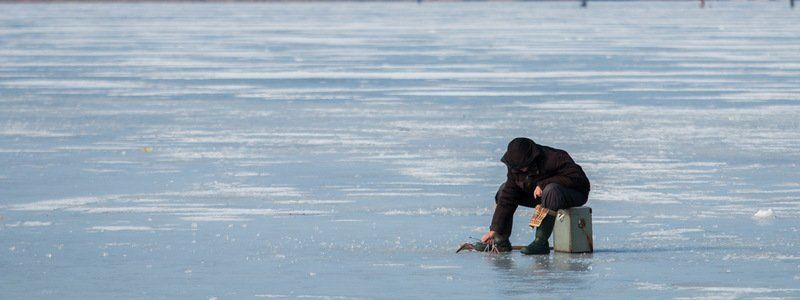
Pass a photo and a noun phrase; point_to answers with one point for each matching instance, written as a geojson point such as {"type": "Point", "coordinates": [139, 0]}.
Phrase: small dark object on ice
{"type": "Point", "coordinates": [465, 246]}
{"type": "Point", "coordinates": [471, 247]}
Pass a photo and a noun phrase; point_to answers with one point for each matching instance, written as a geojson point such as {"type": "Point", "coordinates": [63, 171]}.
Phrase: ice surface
{"type": "Point", "coordinates": [343, 151]}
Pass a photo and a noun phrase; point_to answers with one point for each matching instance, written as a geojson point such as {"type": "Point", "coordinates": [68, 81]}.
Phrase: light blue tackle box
{"type": "Point", "coordinates": [573, 230]}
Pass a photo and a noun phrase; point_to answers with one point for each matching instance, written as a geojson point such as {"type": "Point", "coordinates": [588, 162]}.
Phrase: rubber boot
{"type": "Point", "coordinates": [501, 244]}
{"type": "Point", "coordinates": [540, 245]}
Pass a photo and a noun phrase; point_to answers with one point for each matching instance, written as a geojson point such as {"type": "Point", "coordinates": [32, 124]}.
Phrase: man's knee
{"type": "Point", "coordinates": [552, 189]}
{"type": "Point", "coordinates": [552, 196]}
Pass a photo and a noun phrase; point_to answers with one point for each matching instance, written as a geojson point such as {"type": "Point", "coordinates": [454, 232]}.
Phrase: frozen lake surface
{"type": "Point", "coordinates": [344, 150]}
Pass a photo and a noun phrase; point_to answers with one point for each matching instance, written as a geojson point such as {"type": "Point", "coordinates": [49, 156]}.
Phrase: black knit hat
{"type": "Point", "coordinates": [521, 153]}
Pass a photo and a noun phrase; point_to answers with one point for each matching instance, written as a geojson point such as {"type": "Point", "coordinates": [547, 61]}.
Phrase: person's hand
{"type": "Point", "coordinates": [487, 238]}
{"type": "Point", "coordinates": [537, 193]}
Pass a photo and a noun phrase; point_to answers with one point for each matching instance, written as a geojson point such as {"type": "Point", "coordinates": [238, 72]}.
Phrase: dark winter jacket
{"type": "Point", "coordinates": [545, 165]}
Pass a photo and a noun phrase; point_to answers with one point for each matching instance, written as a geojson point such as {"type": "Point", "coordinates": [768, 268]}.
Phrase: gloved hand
{"type": "Point", "coordinates": [497, 243]}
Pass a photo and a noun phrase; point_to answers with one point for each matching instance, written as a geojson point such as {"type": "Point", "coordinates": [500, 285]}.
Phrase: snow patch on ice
{"type": "Point", "coordinates": [122, 228]}
{"type": "Point", "coordinates": [671, 217]}
{"type": "Point", "coordinates": [614, 219]}
{"type": "Point", "coordinates": [728, 291]}
{"type": "Point", "coordinates": [100, 171]}
{"type": "Point", "coordinates": [246, 174]}
{"type": "Point", "coordinates": [437, 267]}
{"type": "Point", "coordinates": [57, 204]}
{"type": "Point", "coordinates": [209, 208]}
{"type": "Point", "coordinates": [215, 219]}
{"type": "Point", "coordinates": [118, 244]}
{"type": "Point", "coordinates": [445, 171]}
{"type": "Point", "coordinates": [608, 221]}
{"type": "Point", "coordinates": [388, 265]}
{"type": "Point", "coordinates": [441, 211]}
{"type": "Point", "coordinates": [632, 194]}
{"type": "Point", "coordinates": [764, 214]}
{"type": "Point", "coordinates": [570, 106]}
{"type": "Point", "coordinates": [313, 201]}
{"type": "Point", "coordinates": [669, 234]}
{"type": "Point", "coordinates": [217, 189]}
{"type": "Point", "coordinates": [401, 194]}
{"type": "Point", "coordinates": [26, 130]}
{"type": "Point", "coordinates": [768, 256]}
{"type": "Point", "coordinates": [71, 84]}
{"type": "Point", "coordinates": [29, 224]}
{"type": "Point", "coordinates": [480, 229]}
{"type": "Point", "coordinates": [194, 212]}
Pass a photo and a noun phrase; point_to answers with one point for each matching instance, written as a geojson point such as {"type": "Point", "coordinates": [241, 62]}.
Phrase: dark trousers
{"type": "Point", "coordinates": [554, 197]}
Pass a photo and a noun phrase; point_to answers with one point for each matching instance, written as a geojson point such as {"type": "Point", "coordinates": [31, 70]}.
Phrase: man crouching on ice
{"type": "Point", "coordinates": [540, 177]}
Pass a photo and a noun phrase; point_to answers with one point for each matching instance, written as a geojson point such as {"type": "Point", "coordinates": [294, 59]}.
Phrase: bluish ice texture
{"type": "Point", "coordinates": [344, 150]}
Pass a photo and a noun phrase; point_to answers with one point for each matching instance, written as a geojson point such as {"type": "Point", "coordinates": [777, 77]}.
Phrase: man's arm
{"type": "Point", "coordinates": [506, 202]}
{"type": "Point", "coordinates": [503, 217]}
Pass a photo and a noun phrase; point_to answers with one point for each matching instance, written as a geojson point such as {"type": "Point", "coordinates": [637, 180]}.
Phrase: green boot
{"type": "Point", "coordinates": [501, 244]}
{"type": "Point", "coordinates": [540, 244]}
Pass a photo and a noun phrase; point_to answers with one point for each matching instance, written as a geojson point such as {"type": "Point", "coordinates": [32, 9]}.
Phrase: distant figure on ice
{"type": "Point", "coordinates": [540, 177]}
